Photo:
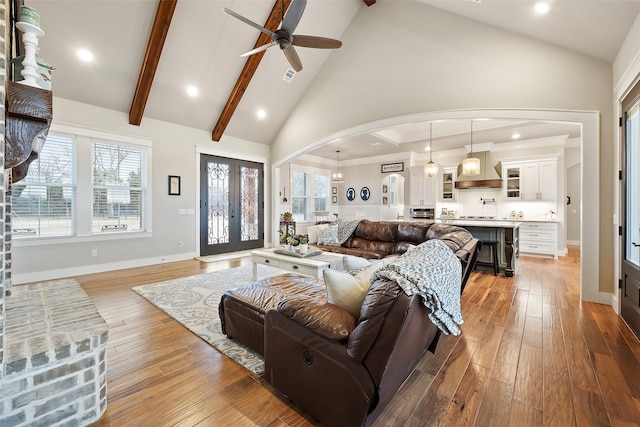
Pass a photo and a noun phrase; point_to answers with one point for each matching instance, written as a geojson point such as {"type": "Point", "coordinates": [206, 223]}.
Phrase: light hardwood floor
{"type": "Point", "coordinates": [531, 353]}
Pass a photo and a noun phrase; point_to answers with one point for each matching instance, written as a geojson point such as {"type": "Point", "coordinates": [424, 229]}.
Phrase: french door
{"type": "Point", "coordinates": [630, 294]}
{"type": "Point", "coordinates": [231, 205]}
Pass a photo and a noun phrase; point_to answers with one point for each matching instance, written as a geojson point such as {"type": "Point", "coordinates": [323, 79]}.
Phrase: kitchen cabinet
{"type": "Point", "coordinates": [539, 238]}
{"type": "Point", "coordinates": [448, 192]}
{"type": "Point", "coordinates": [512, 176]}
{"type": "Point", "coordinates": [540, 180]}
{"type": "Point", "coordinates": [422, 188]}
{"type": "Point", "coordinates": [535, 180]}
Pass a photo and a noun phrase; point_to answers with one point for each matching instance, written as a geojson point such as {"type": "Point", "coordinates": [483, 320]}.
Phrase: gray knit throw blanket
{"type": "Point", "coordinates": [432, 271]}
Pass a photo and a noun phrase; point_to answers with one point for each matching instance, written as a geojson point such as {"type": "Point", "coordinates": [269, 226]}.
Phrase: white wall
{"type": "Point", "coordinates": [174, 152]}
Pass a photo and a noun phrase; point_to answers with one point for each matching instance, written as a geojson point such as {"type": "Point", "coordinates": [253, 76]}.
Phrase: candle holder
{"type": "Point", "coordinates": [29, 25]}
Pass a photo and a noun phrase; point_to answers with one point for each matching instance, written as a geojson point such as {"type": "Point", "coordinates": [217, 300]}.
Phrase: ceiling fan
{"type": "Point", "coordinates": [285, 38]}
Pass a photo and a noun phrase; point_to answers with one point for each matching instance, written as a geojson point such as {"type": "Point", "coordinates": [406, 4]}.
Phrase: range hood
{"type": "Point", "coordinates": [489, 174]}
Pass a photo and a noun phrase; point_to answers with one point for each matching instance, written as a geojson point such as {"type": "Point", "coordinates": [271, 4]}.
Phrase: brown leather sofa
{"type": "Point", "coordinates": [342, 371]}
{"type": "Point", "coordinates": [380, 239]}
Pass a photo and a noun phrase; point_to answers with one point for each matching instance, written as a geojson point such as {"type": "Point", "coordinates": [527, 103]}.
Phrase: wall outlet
{"type": "Point", "coordinates": [94, 252]}
{"type": "Point", "coordinates": [180, 243]}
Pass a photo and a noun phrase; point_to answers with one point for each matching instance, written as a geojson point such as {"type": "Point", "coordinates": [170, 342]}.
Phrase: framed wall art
{"type": "Point", "coordinates": [392, 167]}
{"type": "Point", "coordinates": [334, 199]}
{"type": "Point", "coordinates": [174, 185]}
{"type": "Point", "coordinates": [334, 190]}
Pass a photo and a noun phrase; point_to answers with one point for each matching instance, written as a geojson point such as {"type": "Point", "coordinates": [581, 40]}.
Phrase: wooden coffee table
{"type": "Point", "coordinates": [311, 266]}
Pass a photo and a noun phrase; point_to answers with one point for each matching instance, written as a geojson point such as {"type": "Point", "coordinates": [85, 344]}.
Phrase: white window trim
{"type": "Point", "coordinates": [82, 151]}
{"type": "Point", "coordinates": [311, 171]}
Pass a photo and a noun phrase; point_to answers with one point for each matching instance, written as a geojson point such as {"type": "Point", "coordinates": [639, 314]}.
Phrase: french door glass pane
{"type": "Point", "coordinates": [218, 212]}
{"type": "Point", "coordinates": [249, 210]}
{"type": "Point", "coordinates": [633, 185]}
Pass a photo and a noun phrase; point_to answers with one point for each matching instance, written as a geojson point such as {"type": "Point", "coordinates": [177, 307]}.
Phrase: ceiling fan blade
{"type": "Point", "coordinates": [260, 48]}
{"type": "Point", "coordinates": [293, 58]}
{"type": "Point", "coordinates": [250, 22]}
{"type": "Point", "coordinates": [293, 15]}
{"type": "Point", "coordinates": [316, 42]}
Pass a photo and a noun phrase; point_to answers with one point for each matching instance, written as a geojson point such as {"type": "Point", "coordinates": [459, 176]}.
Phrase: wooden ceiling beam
{"type": "Point", "coordinates": [250, 67]}
{"type": "Point", "coordinates": [159, 31]}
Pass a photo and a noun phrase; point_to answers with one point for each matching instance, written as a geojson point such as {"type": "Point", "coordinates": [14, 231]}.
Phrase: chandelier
{"type": "Point", "coordinates": [471, 165]}
{"type": "Point", "coordinates": [337, 178]}
{"type": "Point", "coordinates": [430, 169]}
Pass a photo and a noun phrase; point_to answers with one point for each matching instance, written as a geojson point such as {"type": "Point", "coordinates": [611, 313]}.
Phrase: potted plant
{"type": "Point", "coordinates": [286, 216]}
{"type": "Point", "coordinates": [303, 247]}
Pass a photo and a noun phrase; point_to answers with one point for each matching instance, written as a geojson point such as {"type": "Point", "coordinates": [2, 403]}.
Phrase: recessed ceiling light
{"type": "Point", "coordinates": [84, 55]}
{"type": "Point", "coordinates": [192, 91]}
{"type": "Point", "coordinates": [515, 135]}
{"type": "Point", "coordinates": [427, 148]}
{"type": "Point", "coordinates": [541, 8]}
{"type": "Point", "coordinates": [262, 114]}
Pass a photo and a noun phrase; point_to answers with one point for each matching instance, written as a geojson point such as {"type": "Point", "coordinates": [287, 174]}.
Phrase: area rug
{"type": "Point", "coordinates": [193, 301]}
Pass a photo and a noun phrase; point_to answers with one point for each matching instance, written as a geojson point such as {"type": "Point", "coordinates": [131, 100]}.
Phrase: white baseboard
{"type": "Point", "coordinates": [573, 242]}
{"type": "Point", "coordinates": [96, 268]}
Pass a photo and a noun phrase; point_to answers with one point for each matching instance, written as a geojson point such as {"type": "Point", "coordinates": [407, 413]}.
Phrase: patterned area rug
{"type": "Point", "coordinates": [193, 301]}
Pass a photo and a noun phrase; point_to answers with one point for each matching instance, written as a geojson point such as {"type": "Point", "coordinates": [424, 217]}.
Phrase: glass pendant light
{"type": "Point", "coordinates": [431, 169]}
{"type": "Point", "coordinates": [337, 178]}
{"type": "Point", "coordinates": [471, 165]}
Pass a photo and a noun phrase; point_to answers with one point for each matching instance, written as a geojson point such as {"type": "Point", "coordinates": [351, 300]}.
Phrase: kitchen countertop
{"type": "Point", "coordinates": [446, 220]}
{"type": "Point", "coordinates": [481, 223]}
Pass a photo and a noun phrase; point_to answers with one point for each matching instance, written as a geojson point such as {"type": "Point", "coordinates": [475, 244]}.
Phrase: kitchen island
{"type": "Point", "coordinates": [506, 233]}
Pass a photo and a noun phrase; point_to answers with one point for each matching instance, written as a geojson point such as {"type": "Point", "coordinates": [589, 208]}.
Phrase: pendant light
{"type": "Point", "coordinates": [471, 165]}
{"type": "Point", "coordinates": [337, 178]}
{"type": "Point", "coordinates": [431, 169]}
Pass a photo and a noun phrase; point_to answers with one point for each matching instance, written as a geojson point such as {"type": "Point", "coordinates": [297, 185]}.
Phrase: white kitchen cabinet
{"type": "Point", "coordinates": [422, 188]}
{"type": "Point", "coordinates": [539, 238]}
{"type": "Point", "coordinates": [512, 185]}
{"type": "Point", "coordinates": [540, 181]}
{"type": "Point", "coordinates": [536, 180]}
{"type": "Point", "coordinates": [448, 192]}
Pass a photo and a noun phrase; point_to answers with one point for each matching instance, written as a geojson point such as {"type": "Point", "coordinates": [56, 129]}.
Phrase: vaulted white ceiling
{"type": "Point", "coordinates": [204, 44]}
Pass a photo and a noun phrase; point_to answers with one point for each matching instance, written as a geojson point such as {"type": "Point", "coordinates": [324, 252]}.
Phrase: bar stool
{"type": "Point", "coordinates": [494, 256]}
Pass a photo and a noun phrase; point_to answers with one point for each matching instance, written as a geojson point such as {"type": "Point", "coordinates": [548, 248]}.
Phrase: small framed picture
{"type": "Point", "coordinates": [334, 190]}
{"type": "Point", "coordinates": [385, 189]}
{"type": "Point", "coordinates": [174, 185]}
{"type": "Point", "coordinates": [385, 200]}
{"type": "Point", "coordinates": [334, 199]}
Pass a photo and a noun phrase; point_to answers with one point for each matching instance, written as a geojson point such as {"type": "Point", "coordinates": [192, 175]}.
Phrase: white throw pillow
{"type": "Point", "coordinates": [328, 236]}
{"type": "Point", "coordinates": [348, 292]}
{"type": "Point", "coordinates": [312, 232]}
{"type": "Point", "coordinates": [351, 263]}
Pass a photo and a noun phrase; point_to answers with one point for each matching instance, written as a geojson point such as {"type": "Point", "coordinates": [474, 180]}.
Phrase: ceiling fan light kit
{"type": "Point", "coordinates": [284, 37]}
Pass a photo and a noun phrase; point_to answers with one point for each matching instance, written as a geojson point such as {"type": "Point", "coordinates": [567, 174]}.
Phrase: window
{"type": "Point", "coordinates": [310, 192]}
{"type": "Point", "coordinates": [118, 187]}
{"type": "Point", "coordinates": [43, 203]}
{"type": "Point", "coordinates": [83, 183]}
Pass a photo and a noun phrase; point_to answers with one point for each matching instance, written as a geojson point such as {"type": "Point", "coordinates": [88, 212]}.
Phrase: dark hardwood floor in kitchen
{"type": "Point", "coordinates": [531, 353]}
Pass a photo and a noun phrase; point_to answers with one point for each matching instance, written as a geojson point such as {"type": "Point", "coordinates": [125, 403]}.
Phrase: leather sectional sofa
{"type": "Point", "coordinates": [341, 370]}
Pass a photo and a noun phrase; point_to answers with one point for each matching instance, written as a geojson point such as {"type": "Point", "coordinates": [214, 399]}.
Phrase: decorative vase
{"type": "Point", "coordinates": [303, 248]}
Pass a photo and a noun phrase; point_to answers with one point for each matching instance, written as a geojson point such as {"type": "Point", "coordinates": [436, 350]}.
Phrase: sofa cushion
{"type": "Point", "coordinates": [453, 236]}
{"type": "Point", "coordinates": [377, 230]}
{"type": "Point", "coordinates": [412, 232]}
{"type": "Point", "coordinates": [327, 320]}
{"type": "Point", "coordinates": [348, 291]}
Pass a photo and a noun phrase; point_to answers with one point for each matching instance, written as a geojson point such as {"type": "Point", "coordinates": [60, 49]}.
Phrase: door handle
{"type": "Point", "coordinates": [635, 244]}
